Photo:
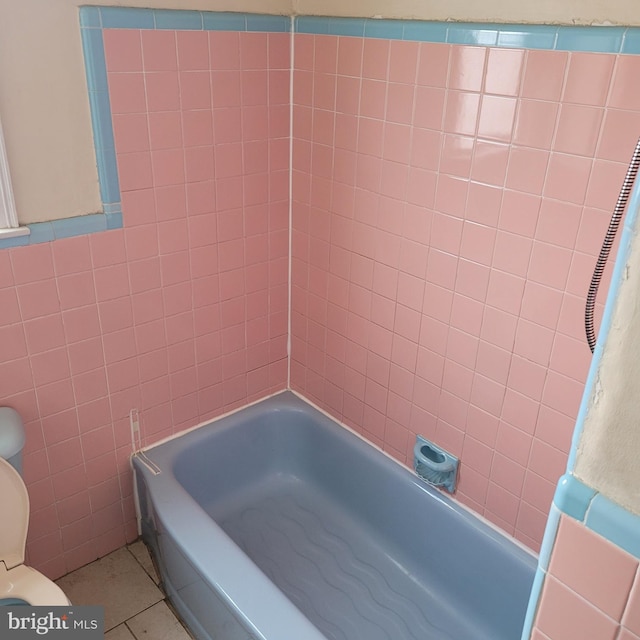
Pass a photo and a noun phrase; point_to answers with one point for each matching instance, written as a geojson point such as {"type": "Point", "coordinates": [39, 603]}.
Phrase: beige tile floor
{"type": "Point", "coordinates": [126, 584]}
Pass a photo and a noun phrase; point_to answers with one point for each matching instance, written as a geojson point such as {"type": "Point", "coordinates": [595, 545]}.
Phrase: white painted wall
{"type": "Point", "coordinates": [608, 456]}
{"type": "Point", "coordinates": [541, 11]}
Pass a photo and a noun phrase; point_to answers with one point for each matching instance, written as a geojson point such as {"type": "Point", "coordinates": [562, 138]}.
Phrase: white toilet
{"type": "Point", "coordinates": [19, 584]}
{"type": "Point", "coordinates": [17, 581]}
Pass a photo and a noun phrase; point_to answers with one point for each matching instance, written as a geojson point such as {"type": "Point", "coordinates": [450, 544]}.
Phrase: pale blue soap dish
{"type": "Point", "coordinates": [435, 465]}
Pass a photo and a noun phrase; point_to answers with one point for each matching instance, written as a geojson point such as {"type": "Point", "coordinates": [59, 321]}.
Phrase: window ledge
{"type": "Point", "coordinates": [14, 233]}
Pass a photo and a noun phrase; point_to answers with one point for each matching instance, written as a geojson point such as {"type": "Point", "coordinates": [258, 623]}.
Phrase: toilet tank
{"type": "Point", "coordinates": [12, 437]}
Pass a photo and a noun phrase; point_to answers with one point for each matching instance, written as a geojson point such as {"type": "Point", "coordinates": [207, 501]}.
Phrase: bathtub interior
{"type": "Point", "coordinates": [361, 546]}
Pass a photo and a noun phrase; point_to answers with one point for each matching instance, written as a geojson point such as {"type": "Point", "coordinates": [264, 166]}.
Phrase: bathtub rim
{"type": "Point", "coordinates": [226, 584]}
{"type": "Point", "coordinates": [145, 461]}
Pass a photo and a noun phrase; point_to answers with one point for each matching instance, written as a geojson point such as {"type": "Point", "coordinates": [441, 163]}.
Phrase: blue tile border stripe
{"type": "Point", "coordinates": [66, 228]}
{"type": "Point", "coordinates": [95, 17]}
{"type": "Point", "coordinates": [534, 597]}
{"type": "Point", "coordinates": [558, 37]}
{"type": "Point", "coordinates": [553, 37]}
{"type": "Point", "coordinates": [96, 73]}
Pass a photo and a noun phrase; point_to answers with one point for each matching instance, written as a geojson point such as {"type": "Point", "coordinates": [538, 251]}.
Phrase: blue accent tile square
{"type": "Point", "coordinates": [126, 18]}
{"type": "Point", "coordinates": [273, 24]}
{"type": "Point", "coordinates": [472, 34]}
{"type": "Point", "coordinates": [41, 232]}
{"type": "Point", "coordinates": [108, 172]}
{"type": "Point", "coordinates": [114, 220]}
{"type": "Point", "coordinates": [592, 39]}
{"type": "Point", "coordinates": [631, 42]}
{"type": "Point", "coordinates": [177, 19]}
{"type": "Point", "coordinates": [79, 225]}
{"type": "Point", "coordinates": [112, 207]}
{"type": "Point", "coordinates": [392, 29]}
{"type": "Point", "coordinates": [346, 27]}
{"type": "Point", "coordinates": [615, 523]}
{"type": "Point", "coordinates": [90, 17]}
{"type": "Point", "coordinates": [425, 31]}
{"type": "Point", "coordinates": [312, 24]}
{"type": "Point", "coordinates": [573, 497]}
{"type": "Point", "coordinates": [101, 119]}
{"type": "Point", "coordinates": [224, 21]}
{"type": "Point", "coordinates": [529, 37]}
{"type": "Point", "coordinates": [19, 241]}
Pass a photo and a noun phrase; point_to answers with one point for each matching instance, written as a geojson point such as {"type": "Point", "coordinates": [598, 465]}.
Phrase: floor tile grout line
{"type": "Point", "coordinates": [170, 608]}
{"type": "Point", "coordinates": [157, 582]}
{"type": "Point", "coordinates": [158, 585]}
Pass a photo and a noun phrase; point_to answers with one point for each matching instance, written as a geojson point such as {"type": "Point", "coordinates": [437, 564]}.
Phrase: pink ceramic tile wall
{"type": "Point", "coordinates": [181, 314]}
{"type": "Point", "coordinates": [592, 589]}
{"type": "Point", "coordinates": [448, 202]}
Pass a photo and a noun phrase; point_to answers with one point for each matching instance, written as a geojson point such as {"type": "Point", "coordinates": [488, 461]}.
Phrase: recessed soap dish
{"type": "Point", "coordinates": [435, 465]}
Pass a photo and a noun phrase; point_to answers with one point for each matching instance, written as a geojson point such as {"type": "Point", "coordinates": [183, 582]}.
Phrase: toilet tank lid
{"type": "Point", "coordinates": [12, 434]}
